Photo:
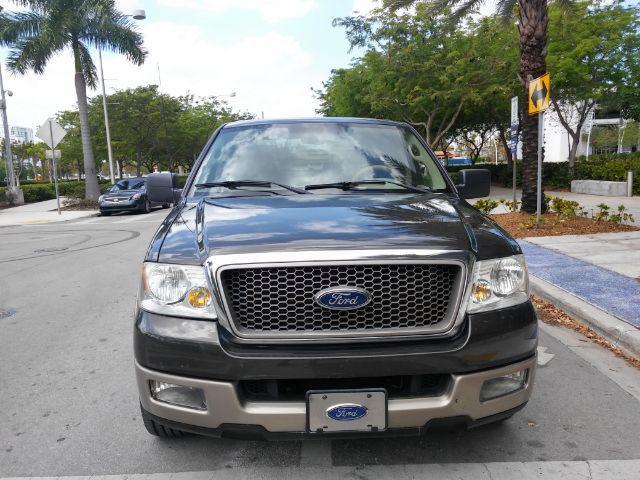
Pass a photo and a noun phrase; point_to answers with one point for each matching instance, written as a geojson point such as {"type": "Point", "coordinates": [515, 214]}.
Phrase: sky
{"type": "Point", "coordinates": [269, 52]}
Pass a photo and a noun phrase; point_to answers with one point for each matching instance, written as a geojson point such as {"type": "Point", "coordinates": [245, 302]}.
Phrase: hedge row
{"type": "Point", "coordinates": [38, 192]}
{"type": "Point", "coordinates": [612, 167]}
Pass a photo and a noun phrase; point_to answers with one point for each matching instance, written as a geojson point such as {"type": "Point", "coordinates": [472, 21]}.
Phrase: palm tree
{"type": "Point", "coordinates": [47, 27]}
{"type": "Point", "coordinates": [532, 19]}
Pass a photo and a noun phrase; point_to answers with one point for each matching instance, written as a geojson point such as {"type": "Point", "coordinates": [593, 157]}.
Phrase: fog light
{"type": "Point", "coordinates": [190, 397]}
{"type": "Point", "coordinates": [499, 386]}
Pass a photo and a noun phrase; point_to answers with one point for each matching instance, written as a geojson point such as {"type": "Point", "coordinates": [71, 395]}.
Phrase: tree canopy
{"type": "Point", "coordinates": [148, 128]}
{"type": "Point", "coordinates": [454, 81]}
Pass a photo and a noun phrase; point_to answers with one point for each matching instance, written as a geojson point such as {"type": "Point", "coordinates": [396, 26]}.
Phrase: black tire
{"type": "Point", "coordinates": [165, 205]}
{"type": "Point", "coordinates": [146, 207]}
{"type": "Point", "coordinates": [158, 429]}
{"type": "Point", "coordinates": [105, 214]}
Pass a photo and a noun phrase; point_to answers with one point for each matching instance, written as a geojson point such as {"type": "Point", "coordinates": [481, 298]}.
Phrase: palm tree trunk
{"type": "Point", "coordinates": [92, 190]}
{"type": "Point", "coordinates": [533, 50]}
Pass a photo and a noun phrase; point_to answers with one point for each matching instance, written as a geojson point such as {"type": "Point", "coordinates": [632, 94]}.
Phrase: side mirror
{"type": "Point", "coordinates": [163, 188]}
{"type": "Point", "coordinates": [474, 183]}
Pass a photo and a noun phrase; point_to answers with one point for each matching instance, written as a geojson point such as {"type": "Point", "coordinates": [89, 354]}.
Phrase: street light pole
{"type": "Point", "coordinates": [15, 194]}
{"type": "Point", "coordinates": [7, 139]}
{"type": "Point", "coordinates": [106, 121]}
{"type": "Point", "coordinates": [137, 15]}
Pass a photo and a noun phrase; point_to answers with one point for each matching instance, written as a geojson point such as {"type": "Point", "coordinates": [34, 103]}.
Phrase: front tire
{"type": "Point", "coordinates": [157, 429]}
{"type": "Point", "coordinates": [146, 206]}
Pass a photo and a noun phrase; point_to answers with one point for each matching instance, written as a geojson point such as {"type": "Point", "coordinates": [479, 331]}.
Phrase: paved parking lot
{"type": "Point", "coordinates": [69, 401]}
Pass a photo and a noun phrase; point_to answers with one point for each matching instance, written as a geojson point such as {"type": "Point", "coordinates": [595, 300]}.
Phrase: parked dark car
{"type": "Point", "coordinates": [127, 195]}
{"type": "Point", "coordinates": [325, 277]}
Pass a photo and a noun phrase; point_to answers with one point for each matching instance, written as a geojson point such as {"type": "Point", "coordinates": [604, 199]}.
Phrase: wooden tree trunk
{"type": "Point", "coordinates": [506, 144]}
{"type": "Point", "coordinates": [573, 151]}
{"type": "Point", "coordinates": [92, 191]}
{"type": "Point", "coordinates": [138, 162]}
{"type": "Point", "coordinates": [120, 166]}
{"type": "Point", "coordinates": [533, 49]}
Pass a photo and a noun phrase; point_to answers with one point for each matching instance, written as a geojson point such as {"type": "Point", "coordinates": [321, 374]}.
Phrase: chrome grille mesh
{"type": "Point", "coordinates": [281, 299]}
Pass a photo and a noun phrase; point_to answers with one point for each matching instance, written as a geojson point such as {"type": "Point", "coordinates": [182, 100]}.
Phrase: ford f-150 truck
{"type": "Point", "coordinates": [325, 277]}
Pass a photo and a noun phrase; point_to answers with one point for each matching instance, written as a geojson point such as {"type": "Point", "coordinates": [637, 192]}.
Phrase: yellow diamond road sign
{"type": "Point", "coordinates": [539, 93]}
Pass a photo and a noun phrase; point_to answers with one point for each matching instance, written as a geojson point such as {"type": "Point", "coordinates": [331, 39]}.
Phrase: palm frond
{"type": "Point", "coordinates": [505, 9]}
{"type": "Point", "coordinates": [464, 8]}
{"type": "Point", "coordinates": [17, 25]}
{"type": "Point", "coordinates": [87, 65]}
{"type": "Point", "coordinates": [34, 5]}
{"type": "Point", "coordinates": [565, 4]}
{"type": "Point", "coordinates": [33, 53]}
{"type": "Point", "coordinates": [394, 5]}
{"type": "Point", "coordinates": [108, 28]}
{"type": "Point", "coordinates": [122, 39]}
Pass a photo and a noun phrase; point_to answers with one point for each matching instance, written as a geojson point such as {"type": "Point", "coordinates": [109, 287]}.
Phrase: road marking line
{"type": "Point", "coordinates": [543, 357]}
{"type": "Point", "coordinates": [92, 220]}
{"type": "Point", "coordinates": [130, 219]}
{"type": "Point", "coordinates": [559, 470]}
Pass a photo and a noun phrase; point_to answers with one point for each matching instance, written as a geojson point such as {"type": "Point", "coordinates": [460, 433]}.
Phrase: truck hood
{"type": "Point", "coordinates": [233, 225]}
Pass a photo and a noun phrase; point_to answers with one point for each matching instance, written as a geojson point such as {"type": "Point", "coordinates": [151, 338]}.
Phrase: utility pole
{"type": "Point", "coordinates": [137, 15]}
{"type": "Point", "coordinates": [14, 193]}
{"type": "Point", "coordinates": [106, 121]}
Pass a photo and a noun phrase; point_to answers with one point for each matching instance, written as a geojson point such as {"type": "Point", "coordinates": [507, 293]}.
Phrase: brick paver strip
{"type": "Point", "coordinates": [614, 293]}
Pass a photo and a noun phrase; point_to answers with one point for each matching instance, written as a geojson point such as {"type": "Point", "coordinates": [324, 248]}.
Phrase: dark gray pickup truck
{"type": "Point", "coordinates": [325, 277]}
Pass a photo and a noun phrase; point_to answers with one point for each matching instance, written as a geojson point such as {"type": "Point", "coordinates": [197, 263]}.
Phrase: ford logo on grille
{"type": "Point", "coordinates": [342, 298]}
{"type": "Point", "coordinates": [347, 412]}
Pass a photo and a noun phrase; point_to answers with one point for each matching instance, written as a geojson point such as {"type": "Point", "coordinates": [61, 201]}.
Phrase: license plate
{"type": "Point", "coordinates": [347, 411]}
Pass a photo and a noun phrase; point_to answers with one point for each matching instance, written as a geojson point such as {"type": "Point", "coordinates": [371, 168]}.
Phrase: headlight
{"type": "Point", "coordinates": [499, 283]}
{"type": "Point", "coordinates": [100, 198]}
{"type": "Point", "coordinates": [178, 290]}
{"type": "Point", "coordinates": [136, 196]}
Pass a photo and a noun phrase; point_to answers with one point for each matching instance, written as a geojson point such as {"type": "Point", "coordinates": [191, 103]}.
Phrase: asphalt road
{"type": "Point", "coordinates": [68, 401]}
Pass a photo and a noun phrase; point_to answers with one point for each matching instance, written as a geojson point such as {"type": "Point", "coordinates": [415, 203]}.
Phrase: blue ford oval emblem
{"type": "Point", "coordinates": [342, 298]}
{"type": "Point", "coordinates": [347, 412]}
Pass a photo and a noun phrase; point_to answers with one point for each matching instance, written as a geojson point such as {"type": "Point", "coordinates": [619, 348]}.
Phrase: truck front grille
{"type": "Point", "coordinates": [280, 300]}
{"type": "Point", "coordinates": [398, 386]}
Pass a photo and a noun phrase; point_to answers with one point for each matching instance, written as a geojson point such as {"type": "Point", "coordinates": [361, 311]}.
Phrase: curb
{"type": "Point", "coordinates": [622, 334]}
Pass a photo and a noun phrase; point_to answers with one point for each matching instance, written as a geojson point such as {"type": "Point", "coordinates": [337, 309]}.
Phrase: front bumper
{"type": "Point", "coordinates": [227, 411]}
{"type": "Point", "coordinates": [124, 206]}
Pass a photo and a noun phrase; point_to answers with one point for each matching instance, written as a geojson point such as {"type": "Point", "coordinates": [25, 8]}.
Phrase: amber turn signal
{"type": "Point", "coordinates": [199, 297]}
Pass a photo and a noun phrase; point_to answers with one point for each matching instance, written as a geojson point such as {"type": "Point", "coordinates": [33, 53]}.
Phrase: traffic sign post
{"type": "Point", "coordinates": [514, 145]}
{"type": "Point", "coordinates": [51, 133]}
{"type": "Point", "coordinates": [538, 100]}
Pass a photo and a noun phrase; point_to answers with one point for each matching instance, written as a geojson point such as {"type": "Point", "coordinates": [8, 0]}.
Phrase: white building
{"type": "Point", "coordinates": [21, 134]}
{"type": "Point", "coordinates": [557, 141]}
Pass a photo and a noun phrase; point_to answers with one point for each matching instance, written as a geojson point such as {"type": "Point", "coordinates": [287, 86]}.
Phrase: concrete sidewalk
{"type": "Point", "coordinates": [595, 278]}
{"type": "Point", "coordinates": [589, 202]}
{"type": "Point", "coordinates": [39, 212]}
{"type": "Point", "coordinates": [618, 252]}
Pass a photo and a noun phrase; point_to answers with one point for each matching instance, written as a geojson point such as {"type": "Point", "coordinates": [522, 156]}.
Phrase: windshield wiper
{"type": "Point", "coordinates": [234, 184]}
{"type": "Point", "coordinates": [351, 185]}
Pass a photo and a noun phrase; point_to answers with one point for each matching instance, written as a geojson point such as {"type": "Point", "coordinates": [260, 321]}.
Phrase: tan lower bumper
{"type": "Point", "coordinates": [226, 407]}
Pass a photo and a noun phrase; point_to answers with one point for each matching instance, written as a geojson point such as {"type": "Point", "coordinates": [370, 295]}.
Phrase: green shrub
{"type": "Point", "coordinates": [623, 215]}
{"type": "Point", "coordinates": [566, 208]}
{"type": "Point", "coordinates": [455, 177]}
{"type": "Point", "coordinates": [510, 204]}
{"type": "Point", "coordinates": [486, 205]}
{"type": "Point", "coordinates": [38, 193]}
{"type": "Point", "coordinates": [610, 167]}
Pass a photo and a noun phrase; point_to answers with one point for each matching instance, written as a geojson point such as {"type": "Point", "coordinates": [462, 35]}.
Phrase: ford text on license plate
{"type": "Point", "coordinates": [347, 411]}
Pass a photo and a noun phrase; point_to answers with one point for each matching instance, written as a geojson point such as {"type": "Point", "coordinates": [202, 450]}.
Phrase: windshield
{"type": "Point", "coordinates": [129, 184]}
{"type": "Point", "coordinates": [301, 154]}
